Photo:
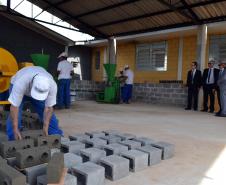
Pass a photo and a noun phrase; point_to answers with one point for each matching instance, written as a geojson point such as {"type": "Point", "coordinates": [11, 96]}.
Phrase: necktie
{"type": "Point", "coordinates": [208, 78]}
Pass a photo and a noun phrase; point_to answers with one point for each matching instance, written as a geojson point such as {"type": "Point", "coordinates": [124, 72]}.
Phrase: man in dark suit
{"type": "Point", "coordinates": [194, 82]}
{"type": "Point", "coordinates": [209, 80]}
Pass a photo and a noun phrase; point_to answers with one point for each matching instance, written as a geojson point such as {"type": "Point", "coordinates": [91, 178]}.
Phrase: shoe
{"type": "Point", "coordinates": [220, 115]}
{"type": "Point", "coordinates": [67, 107]}
{"type": "Point", "coordinates": [217, 114]}
{"type": "Point", "coordinates": [204, 110]}
{"type": "Point", "coordinates": [196, 109]}
{"type": "Point", "coordinates": [187, 108]}
{"type": "Point", "coordinates": [211, 111]}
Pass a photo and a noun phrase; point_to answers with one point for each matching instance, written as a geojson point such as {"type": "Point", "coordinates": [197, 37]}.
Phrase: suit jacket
{"type": "Point", "coordinates": [222, 80]}
{"type": "Point", "coordinates": [197, 80]}
{"type": "Point", "coordinates": [205, 75]}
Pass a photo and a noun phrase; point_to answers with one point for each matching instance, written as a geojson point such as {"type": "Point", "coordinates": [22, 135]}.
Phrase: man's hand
{"type": "Point", "coordinates": [17, 134]}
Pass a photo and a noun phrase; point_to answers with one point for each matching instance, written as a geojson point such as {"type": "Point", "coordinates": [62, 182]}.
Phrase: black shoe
{"type": "Point", "coordinates": [220, 115]}
{"type": "Point", "coordinates": [211, 111]}
{"type": "Point", "coordinates": [195, 109]}
{"type": "Point", "coordinates": [204, 110]}
{"type": "Point", "coordinates": [187, 108]}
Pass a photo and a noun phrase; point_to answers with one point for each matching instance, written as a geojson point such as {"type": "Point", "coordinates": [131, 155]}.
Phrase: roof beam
{"type": "Point", "coordinates": [193, 14]}
{"type": "Point", "coordinates": [175, 9]}
{"type": "Point", "coordinates": [86, 27]}
{"type": "Point", "coordinates": [8, 5]}
{"type": "Point", "coordinates": [202, 3]}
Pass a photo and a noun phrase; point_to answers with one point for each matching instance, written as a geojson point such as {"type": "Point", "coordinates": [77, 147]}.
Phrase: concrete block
{"type": "Point", "coordinates": [111, 139]}
{"type": "Point", "coordinates": [31, 157]}
{"type": "Point", "coordinates": [10, 176]}
{"type": "Point", "coordinates": [32, 134]}
{"type": "Point", "coordinates": [9, 148]}
{"type": "Point", "coordinates": [65, 140]}
{"type": "Point", "coordinates": [138, 160]}
{"type": "Point", "coordinates": [131, 144]}
{"type": "Point", "coordinates": [71, 160]}
{"type": "Point", "coordinates": [95, 142]}
{"type": "Point", "coordinates": [11, 161]}
{"type": "Point", "coordinates": [35, 171]}
{"type": "Point", "coordinates": [55, 168]}
{"type": "Point", "coordinates": [111, 132]}
{"type": "Point", "coordinates": [92, 154]}
{"type": "Point", "coordinates": [3, 137]}
{"type": "Point", "coordinates": [52, 141]}
{"type": "Point", "coordinates": [2, 160]}
{"type": "Point", "coordinates": [154, 154]}
{"type": "Point", "coordinates": [144, 140]}
{"type": "Point", "coordinates": [79, 137]}
{"type": "Point", "coordinates": [89, 174]}
{"type": "Point", "coordinates": [116, 167]}
{"type": "Point", "coordinates": [69, 180]}
{"type": "Point", "coordinates": [72, 147]}
{"type": "Point", "coordinates": [168, 149]}
{"type": "Point", "coordinates": [95, 134]}
{"type": "Point", "coordinates": [126, 136]}
{"type": "Point", "coordinates": [115, 149]}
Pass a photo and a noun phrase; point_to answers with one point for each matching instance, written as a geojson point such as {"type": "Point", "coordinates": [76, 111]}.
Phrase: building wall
{"type": "Point", "coordinates": [22, 42]}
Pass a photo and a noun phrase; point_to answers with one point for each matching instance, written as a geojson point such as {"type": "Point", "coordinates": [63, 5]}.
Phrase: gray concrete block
{"type": "Point", "coordinates": [111, 139]}
{"type": "Point", "coordinates": [144, 140]}
{"type": "Point", "coordinates": [31, 157]}
{"type": "Point", "coordinates": [116, 167]}
{"type": "Point", "coordinates": [65, 140]}
{"type": "Point", "coordinates": [126, 136]}
{"type": "Point", "coordinates": [3, 137]}
{"type": "Point", "coordinates": [32, 134]}
{"type": "Point", "coordinates": [92, 154]}
{"type": "Point", "coordinates": [131, 144]}
{"type": "Point", "coordinates": [10, 176]}
{"type": "Point", "coordinates": [154, 154]}
{"type": "Point", "coordinates": [89, 174]}
{"type": "Point", "coordinates": [79, 137]}
{"type": "Point", "coordinates": [35, 171]}
{"type": "Point", "coordinates": [11, 161]}
{"type": "Point", "coordinates": [71, 160]}
{"type": "Point", "coordinates": [168, 149]}
{"type": "Point", "coordinates": [95, 142]}
{"type": "Point", "coordinates": [2, 160]}
{"type": "Point", "coordinates": [111, 132]}
{"type": "Point", "coordinates": [95, 134]}
{"type": "Point", "coordinates": [138, 160]}
{"type": "Point", "coordinates": [55, 168]}
{"type": "Point", "coordinates": [115, 149]}
{"type": "Point", "coordinates": [72, 147]}
{"type": "Point", "coordinates": [9, 148]}
{"type": "Point", "coordinates": [52, 141]}
{"type": "Point", "coordinates": [69, 180]}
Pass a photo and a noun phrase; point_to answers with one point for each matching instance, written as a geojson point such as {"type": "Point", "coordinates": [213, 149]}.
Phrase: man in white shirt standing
{"type": "Point", "coordinates": [128, 87]}
{"type": "Point", "coordinates": [36, 85]}
{"type": "Point", "coordinates": [65, 71]}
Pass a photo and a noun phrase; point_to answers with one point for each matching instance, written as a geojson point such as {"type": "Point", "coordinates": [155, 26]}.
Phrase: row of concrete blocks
{"type": "Point", "coordinates": [9, 148]}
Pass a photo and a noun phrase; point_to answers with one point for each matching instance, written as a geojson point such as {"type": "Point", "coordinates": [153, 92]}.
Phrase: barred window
{"type": "Point", "coordinates": [151, 57]}
{"type": "Point", "coordinates": [97, 60]}
{"type": "Point", "coordinates": [217, 48]}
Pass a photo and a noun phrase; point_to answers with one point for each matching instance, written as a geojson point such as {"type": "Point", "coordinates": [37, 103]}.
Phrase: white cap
{"type": "Point", "coordinates": [63, 54]}
{"type": "Point", "coordinates": [126, 66]}
{"type": "Point", "coordinates": [40, 88]}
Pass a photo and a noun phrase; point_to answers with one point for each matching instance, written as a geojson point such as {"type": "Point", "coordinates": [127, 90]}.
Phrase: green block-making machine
{"type": "Point", "coordinates": [111, 93]}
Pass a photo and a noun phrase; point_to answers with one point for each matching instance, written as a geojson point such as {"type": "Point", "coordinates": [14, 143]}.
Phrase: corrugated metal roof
{"type": "Point", "coordinates": [105, 18]}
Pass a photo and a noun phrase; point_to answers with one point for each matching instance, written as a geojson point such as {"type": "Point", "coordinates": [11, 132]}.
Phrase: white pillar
{"type": "Point", "coordinates": [112, 50]}
{"type": "Point", "coordinates": [180, 59]}
{"type": "Point", "coordinates": [201, 54]}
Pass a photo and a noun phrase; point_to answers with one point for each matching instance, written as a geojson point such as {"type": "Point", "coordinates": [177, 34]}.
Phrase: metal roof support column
{"type": "Point", "coordinates": [201, 53]}
{"type": "Point", "coordinates": [180, 59]}
{"type": "Point", "coordinates": [112, 50]}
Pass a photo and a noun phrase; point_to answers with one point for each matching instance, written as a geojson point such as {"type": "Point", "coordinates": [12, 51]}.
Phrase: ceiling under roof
{"type": "Point", "coordinates": [106, 18]}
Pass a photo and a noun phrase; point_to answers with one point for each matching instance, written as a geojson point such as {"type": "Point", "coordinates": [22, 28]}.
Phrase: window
{"type": "Point", "coordinates": [97, 60]}
{"type": "Point", "coordinates": [217, 48]}
{"type": "Point", "coordinates": [152, 57]}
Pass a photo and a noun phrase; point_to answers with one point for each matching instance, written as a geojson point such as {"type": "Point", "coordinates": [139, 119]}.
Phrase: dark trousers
{"type": "Point", "coordinates": [193, 96]}
{"type": "Point", "coordinates": [127, 92]}
{"type": "Point", "coordinates": [219, 98]}
{"type": "Point", "coordinates": [208, 92]}
{"type": "Point", "coordinates": [64, 98]}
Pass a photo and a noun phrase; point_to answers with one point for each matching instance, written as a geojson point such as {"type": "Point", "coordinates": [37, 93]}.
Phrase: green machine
{"type": "Point", "coordinates": [111, 93]}
{"type": "Point", "coordinates": [41, 60]}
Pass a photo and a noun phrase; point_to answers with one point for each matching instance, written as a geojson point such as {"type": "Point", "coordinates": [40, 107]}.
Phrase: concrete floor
{"type": "Point", "coordinates": [200, 139]}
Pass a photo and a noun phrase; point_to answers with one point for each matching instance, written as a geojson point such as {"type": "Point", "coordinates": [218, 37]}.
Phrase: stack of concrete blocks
{"type": "Point", "coordinates": [131, 144]}
{"type": "Point", "coordinates": [52, 141]}
{"type": "Point", "coordinates": [168, 149]}
{"type": "Point", "coordinates": [71, 160]}
{"type": "Point", "coordinates": [126, 136]}
{"type": "Point", "coordinates": [92, 154]}
{"type": "Point", "coordinates": [95, 134]}
{"type": "Point", "coordinates": [79, 137]}
{"type": "Point", "coordinates": [144, 141]}
{"type": "Point", "coordinates": [55, 168]}
{"type": "Point", "coordinates": [95, 142]}
{"type": "Point", "coordinates": [114, 149]}
{"type": "Point", "coordinates": [111, 139]}
{"type": "Point", "coordinates": [72, 147]}
{"type": "Point", "coordinates": [89, 173]}
{"type": "Point", "coordinates": [32, 157]}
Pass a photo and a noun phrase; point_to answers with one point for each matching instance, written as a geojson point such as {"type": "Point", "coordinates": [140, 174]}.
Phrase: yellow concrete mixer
{"type": "Point", "coordinates": [8, 67]}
